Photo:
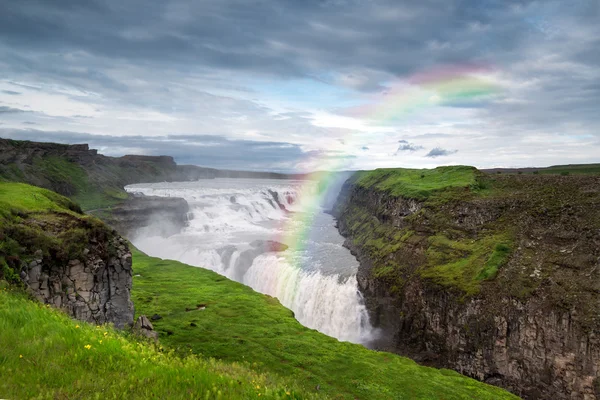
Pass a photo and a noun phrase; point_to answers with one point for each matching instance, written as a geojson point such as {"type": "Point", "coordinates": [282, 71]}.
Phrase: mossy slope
{"type": "Point", "coordinates": [36, 218]}
{"type": "Point", "coordinates": [208, 314]}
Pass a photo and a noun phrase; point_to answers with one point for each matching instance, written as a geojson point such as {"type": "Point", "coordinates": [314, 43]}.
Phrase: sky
{"type": "Point", "coordinates": [299, 85]}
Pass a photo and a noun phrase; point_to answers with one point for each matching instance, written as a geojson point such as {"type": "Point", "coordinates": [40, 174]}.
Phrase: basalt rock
{"type": "Point", "coordinates": [534, 328]}
{"type": "Point", "coordinates": [143, 327]}
{"type": "Point", "coordinates": [94, 288]}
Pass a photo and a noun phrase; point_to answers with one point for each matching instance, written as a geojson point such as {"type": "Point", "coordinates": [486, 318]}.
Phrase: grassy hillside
{"type": "Point", "coordinates": [36, 218]}
{"type": "Point", "coordinates": [207, 314]}
{"type": "Point", "coordinates": [417, 184]}
{"type": "Point", "coordinates": [46, 355]}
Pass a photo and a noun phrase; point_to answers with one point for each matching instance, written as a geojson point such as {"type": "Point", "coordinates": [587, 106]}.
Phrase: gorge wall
{"type": "Point", "coordinates": [498, 279]}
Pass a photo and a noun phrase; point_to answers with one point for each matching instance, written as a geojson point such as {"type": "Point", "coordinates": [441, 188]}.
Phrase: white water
{"type": "Point", "coordinates": [317, 282]}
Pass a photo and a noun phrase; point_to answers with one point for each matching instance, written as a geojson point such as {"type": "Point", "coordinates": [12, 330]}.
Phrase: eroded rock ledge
{"type": "Point", "coordinates": [94, 288]}
{"type": "Point", "coordinates": [149, 215]}
{"type": "Point", "coordinates": [534, 327]}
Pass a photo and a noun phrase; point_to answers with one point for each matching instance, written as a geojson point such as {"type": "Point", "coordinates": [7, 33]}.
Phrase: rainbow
{"type": "Point", "coordinates": [444, 86]}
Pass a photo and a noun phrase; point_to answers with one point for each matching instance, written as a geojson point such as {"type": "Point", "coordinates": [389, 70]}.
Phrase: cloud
{"type": "Point", "coordinates": [407, 146]}
{"type": "Point", "coordinates": [234, 70]}
{"type": "Point", "coordinates": [10, 110]}
{"type": "Point", "coordinates": [439, 152]}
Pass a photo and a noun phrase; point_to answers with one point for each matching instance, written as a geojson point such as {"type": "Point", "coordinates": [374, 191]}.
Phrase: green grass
{"type": "Point", "coordinates": [240, 325]}
{"type": "Point", "coordinates": [44, 355]}
{"type": "Point", "coordinates": [27, 198]}
{"type": "Point", "coordinates": [59, 171]}
{"type": "Point", "coordinates": [65, 177]}
{"type": "Point", "coordinates": [418, 184]}
{"type": "Point", "coordinates": [465, 262]}
{"type": "Point", "coordinates": [38, 219]}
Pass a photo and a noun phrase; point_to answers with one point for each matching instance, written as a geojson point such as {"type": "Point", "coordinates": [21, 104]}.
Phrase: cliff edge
{"type": "Point", "coordinates": [496, 277]}
{"type": "Point", "coordinates": [63, 257]}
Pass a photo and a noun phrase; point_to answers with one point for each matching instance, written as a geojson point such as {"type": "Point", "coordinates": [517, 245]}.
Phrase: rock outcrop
{"type": "Point", "coordinates": [534, 327]}
{"type": "Point", "coordinates": [93, 288]}
{"type": "Point", "coordinates": [149, 215]}
{"type": "Point", "coordinates": [143, 327]}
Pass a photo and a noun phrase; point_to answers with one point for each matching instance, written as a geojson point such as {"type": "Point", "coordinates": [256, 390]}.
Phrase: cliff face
{"type": "Point", "coordinates": [498, 280]}
{"type": "Point", "coordinates": [94, 287]}
{"type": "Point", "coordinates": [63, 257]}
{"type": "Point", "coordinates": [162, 216]}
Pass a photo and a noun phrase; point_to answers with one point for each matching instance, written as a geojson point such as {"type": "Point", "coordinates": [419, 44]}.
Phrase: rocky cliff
{"type": "Point", "coordinates": [496, 277]}
{"type": "Point", "coordinates": [150, 215]}
{"type": "Point", "coordinates": [63, 257]}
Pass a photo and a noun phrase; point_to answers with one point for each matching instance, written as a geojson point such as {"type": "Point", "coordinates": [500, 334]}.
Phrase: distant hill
{"type": "Point", "coordinates": [95, 180]}
{"type": "Point", "coordinates": [574, 169]}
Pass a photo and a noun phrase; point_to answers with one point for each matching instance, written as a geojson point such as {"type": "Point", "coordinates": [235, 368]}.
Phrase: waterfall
{"type": "Point", "coordinates": [232, 221]}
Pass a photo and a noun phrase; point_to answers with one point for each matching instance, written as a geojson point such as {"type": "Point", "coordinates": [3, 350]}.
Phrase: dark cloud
{"type": "Point", "coordinates": [439, 152]}
{"type": "Point", "coordinates": [205, 150]}
{"type": "Point", "coordinates": [11, 92]}
{"type": "Point", "coordinates": [357, 38]}
{"type": "Point", "coordinates": [405, 145]}
{"type": "Point", "coordinates": [10, 110]}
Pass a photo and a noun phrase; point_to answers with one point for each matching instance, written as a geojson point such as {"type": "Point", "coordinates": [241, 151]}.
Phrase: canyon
{"type": "Point", "coordinates": [497, 279]}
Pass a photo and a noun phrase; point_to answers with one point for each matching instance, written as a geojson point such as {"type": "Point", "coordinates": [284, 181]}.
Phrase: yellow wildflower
{"type": "Point", "coordinates": [101, 342]}
{"type": "Point", "coordinates": [76, 326]}
{"type": "Point", "coordinates": [105, 333]}
{"type": "Point", "coordinates": [88, 346]}
{"type": "Point", "coordinates": [20, 355]}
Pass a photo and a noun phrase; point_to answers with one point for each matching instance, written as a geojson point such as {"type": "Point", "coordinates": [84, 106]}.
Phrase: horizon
{"type": "Point", "coordinates": [313, 172]}
{"type": "Point", "coordinates": [294, 87]}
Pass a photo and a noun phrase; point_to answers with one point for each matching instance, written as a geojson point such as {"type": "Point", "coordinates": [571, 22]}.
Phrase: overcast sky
{"type": "Point", "coordinates": [295, 85]}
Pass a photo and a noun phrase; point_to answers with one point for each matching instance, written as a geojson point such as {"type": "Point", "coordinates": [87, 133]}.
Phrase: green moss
{"type": "Point", "coordinates": [452, 258]}
{"type": "Point", "coordinates": [497, 259]}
